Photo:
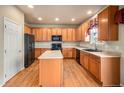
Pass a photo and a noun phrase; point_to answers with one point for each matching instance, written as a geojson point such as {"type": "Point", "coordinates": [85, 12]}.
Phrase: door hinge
{"type": "Point", "coordinates": [5, 26]}
{"type": "Point", "coordinates": [5, 51]}
{"type": "Point", "coordinates": [5, 75]}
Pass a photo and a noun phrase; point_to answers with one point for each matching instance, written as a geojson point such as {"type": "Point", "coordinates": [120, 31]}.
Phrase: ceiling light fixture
{"type": "Point", "coordinates": [73, 19]}
{"type": "Point", "coordinates": [56, 19]}
{"type": "Point", "coordinates": [39, 18]}
{"type": "Point", "coordinates": [89, 12]}
{"type": "Point", "coordinates": [30, 6]}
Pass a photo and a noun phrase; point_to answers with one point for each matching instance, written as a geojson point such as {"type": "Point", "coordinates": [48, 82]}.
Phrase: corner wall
{"type": "Point", "coordinates": [17, 16]}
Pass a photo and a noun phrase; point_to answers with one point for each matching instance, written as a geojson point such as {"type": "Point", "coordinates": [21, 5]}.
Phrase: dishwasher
{"type": "Point", "coordinates": [78, 56]}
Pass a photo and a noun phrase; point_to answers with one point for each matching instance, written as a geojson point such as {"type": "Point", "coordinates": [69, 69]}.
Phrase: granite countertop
{"type": "Point", "coordinates": [51, 54]}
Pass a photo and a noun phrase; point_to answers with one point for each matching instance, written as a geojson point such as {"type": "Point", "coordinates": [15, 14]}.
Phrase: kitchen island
{"type": "Point", "coordinates": [51, 69]}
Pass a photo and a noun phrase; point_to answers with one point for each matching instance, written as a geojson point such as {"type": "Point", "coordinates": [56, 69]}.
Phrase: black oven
{"type": "Point", "coordinates": [56, 38]}
{"type": "Point", "coordinates": [56, 46]}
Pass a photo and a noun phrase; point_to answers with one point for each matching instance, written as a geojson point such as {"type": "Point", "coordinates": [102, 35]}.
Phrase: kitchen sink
{"type": "Point", "coordinates": [93, 50]}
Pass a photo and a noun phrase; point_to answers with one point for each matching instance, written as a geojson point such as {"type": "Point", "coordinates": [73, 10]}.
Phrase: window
{"type": "Point", "coordinates": [93, 35]}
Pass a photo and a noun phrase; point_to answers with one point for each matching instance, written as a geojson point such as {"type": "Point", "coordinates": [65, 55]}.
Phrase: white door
{"type": "Point", "coordinates": [20, 63]}
{"type": "Point", "coordinates": [11, 49]}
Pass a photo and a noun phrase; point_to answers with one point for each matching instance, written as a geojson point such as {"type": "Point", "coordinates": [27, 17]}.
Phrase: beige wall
{"type": "Point", "coordinates": [12, 12]}
{"type": "Point", "coordinates": [17, 16]}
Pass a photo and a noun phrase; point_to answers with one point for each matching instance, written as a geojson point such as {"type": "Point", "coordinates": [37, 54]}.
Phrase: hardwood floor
{"type": "Point", "coordinates": [74, 76]}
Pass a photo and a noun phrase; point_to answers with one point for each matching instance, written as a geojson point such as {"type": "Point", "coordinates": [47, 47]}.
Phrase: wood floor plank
{"type": "Point", "coordinates": [74, 76]}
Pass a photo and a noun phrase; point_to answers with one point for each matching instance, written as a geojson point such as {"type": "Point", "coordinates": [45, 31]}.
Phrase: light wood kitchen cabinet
{"type": "Point", "coordinates": [84, 59]}
{"type": "Point", "coordinates": [39, 51]}
{"type": "Point", "coordinates": [105, 70]}
{"type": "Point", "coordinates": [107, 28]}
{"type": "Point", "coordinates": [46, 34]}
{"type": "Point", "coordinates": [27, 29]}
{"type": "Point", "coordinates": [78, 34]}
{"type": "Point", "coordinates": [56, 31]}
{"type": "Point", "coordinates": [37, 33]}
{"type": "Point", "coordinates": [69, 35]}
{"type": "Point", "coordinates": [51, 72]}
{"type": "Point", "coordinates": [94, 66]}
{"type": "Point", "coordinates": [42, 34]}
{"type": "Point", "coordinates": [68, 52]}
{"type": "Point", "coordinates": [64, 34]}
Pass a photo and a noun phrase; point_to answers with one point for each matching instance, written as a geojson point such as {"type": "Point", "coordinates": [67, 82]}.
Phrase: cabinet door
{"type": "Point", "coordinates": [64, 34]}
{"type": "Point", "coordinates": [37, 52]}
{"type": "Point", "coordinates": [40, 34]}
{"type": "Point", "coordinates": [94, 68]}
{"type": "Point", "coordinates": [64, 52]}
{"type": "Point", "coordinates": [86, 61]}
{"type": "Point", "coordinates": [69, 34]}
{"type": "Point", "coordinates": [79, 34]}
{"type": "Point", "coordinates": [44, 34]}
{"type": "Point", "coordinates": [37, 33]}
{"type": "Point", "coordinates": [54, 31]}
{"type": "Point", "coordinates": [27, 29]}
{"type": "Point", "coordinates": [73, 35]}
{"type": "Point", "coordinates": [70, 52]}
{"type": "Point", "coordinates": [49, 34]}
{"type": "Point", "coordinates": [58, 31]}
{"type": "Point", "coordinates": [103, 25]}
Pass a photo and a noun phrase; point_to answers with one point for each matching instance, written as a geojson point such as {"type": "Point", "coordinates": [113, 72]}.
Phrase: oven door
{"type": "Point", "coordinates": [56, 46]}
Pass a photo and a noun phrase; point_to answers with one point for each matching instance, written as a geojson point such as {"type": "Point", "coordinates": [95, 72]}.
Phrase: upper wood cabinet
{"type": "Point", "coordinates": [82, 29]}
{"type": "Point", "coordinates": [27, 29]}
{"type": "Point", "coordinates": [42, 34]}
{"type": "Point", "coordinates": [68, 34]}
{"type": "Point", "coordinates": [107, 28]}
{"type": "Point", "coordinates": [56, 31]}
{"type": "Point", "coordinates": [64, 34]}
{"type": "Point", "coordinates": [45, 34]}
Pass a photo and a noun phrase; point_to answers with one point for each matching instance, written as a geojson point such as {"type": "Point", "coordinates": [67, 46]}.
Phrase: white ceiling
{"type": "Point", "coordinates": [64, 12]}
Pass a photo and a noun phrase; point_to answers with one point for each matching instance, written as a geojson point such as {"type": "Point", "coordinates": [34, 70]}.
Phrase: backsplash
{"type": "Point", "coordinates": [105, 46]}
{"type": "Point", "coordinates": [48, 44]}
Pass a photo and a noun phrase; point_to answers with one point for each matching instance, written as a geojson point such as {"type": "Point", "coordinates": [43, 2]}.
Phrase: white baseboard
{"type": "Point", "coordinates": [122, 85]}
{"type": "Point", "coordinates": [2, 84]}
{"type": "Point", "coordinates": [22, 68]}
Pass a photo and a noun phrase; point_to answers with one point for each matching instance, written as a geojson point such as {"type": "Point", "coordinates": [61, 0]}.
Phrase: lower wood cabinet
{"type": "Point", "coordinates": [84, 59]}
{"type": "Point", "coordinates": [39, 51]}
{"type": "Point", "coordinates": [105, 70]}
{"type": "Point", "coordinates": [94, 67]}
{"type": "Point", "coordinates": [68, 52]}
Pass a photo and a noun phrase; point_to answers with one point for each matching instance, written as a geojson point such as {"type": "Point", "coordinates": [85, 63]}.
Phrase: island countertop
{"type": "Point", "coordinates": [51, 54]}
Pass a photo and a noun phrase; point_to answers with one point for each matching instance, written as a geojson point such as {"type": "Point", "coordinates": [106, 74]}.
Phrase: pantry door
{"type": "Point", "coordinates": [11, 49]}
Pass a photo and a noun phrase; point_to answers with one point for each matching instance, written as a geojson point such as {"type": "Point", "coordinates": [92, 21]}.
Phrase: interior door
{"type": "Point", "coordinates": [11, 49]}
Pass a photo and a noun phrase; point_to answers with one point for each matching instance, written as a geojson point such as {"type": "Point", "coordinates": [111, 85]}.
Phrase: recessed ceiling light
{"type": "Point", "coordinates": [30, 6]}
{"type": "Point", "coordinates": [89, 12]}
{"type": "Point", "coordinates": [73, 19]}
{"type": "Point", "coordinates": [56, 19]}
{"type": "Point", "coordinates": [39, 18]}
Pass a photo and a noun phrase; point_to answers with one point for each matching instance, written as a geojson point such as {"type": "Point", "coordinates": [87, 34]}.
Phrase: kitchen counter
{"type": "Point", "coordinates": [100, 54]}
{"type": "Point", "coordinates": [51, 54]}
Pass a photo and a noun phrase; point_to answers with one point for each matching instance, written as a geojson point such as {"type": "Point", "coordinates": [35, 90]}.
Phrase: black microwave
{"type": "Point", "coordinates": [56, 38]}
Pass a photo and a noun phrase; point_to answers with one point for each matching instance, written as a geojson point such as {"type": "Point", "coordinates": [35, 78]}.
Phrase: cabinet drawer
{"type": "Point", "coordinates": [97, 58]}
